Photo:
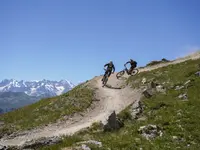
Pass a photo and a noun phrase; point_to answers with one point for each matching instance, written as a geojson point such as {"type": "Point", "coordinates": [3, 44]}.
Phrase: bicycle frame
{"type": "Point", "coordinates": [126, 70]}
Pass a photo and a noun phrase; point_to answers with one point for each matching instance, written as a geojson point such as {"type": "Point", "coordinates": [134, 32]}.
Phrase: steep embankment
{"type": "Point", "coordinates": [109, 99]}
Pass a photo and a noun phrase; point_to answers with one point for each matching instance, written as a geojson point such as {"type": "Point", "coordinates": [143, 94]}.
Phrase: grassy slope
{"type": "Point", "coordinates": [47, 110]}
{"type": "Point", "coordinates": [177, 118]}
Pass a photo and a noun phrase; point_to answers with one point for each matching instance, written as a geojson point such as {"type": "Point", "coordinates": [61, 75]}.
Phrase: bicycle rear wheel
{"type": "Point", "coordinates": [134, 72]}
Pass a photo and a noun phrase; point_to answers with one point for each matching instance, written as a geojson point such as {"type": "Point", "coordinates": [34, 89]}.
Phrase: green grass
{"type": "Point", "coordinates": [172, 75]}
{"type": "Point", "coordinates": [155, 62]}
{"type": "Point", "coordinates": [174, 116]}
{"type": "Point", "coordinates": [67, 142]}
{"type": "Point", "coordinates": [48, 110]}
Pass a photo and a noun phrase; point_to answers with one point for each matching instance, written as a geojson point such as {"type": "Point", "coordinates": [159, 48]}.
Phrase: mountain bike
{"type": "Point", "coordinates": [121, 73]}
{"type": "Point", "coordinates": [105, 79]}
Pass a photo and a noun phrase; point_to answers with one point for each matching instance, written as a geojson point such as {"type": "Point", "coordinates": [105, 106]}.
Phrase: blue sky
{"type": "Point", "coordinates": [63, 39]}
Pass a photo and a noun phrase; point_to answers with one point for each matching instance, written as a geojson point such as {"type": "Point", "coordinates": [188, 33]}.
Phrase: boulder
{"type": "Point", "coordinates": [150, 131]}
{"type": "Point", "coordinates": [85, 147]}
{"type": "Point", "coordinates": [41, 142]}
{"type": "Point", "coordinates": [113, 123]}
{"type": "Point", "coordinates": [136, 109]}
{"type": "Point", "coordinates": [153, 84]}
{"type": "Point", "coordinates": [3, 147]}
{"type": "Point", "coordinates": [179, 87]}
{"type": "Point", "coordinates": [183, 96]}
{"type": "Point", "coordinates": [144, 80]}
{"type": "Point", "coordinates": [147, 93]}
{"type": "Point", "coordinates": [177, 139]}
{"type": "Point", "coordinates": [99, 144]}
{"type": "Point", "coordinates": [152, 88]}
{"type": "Point", "coordinates": [160, 88]}
{"type": "Point", "coordinates": [197, 73]}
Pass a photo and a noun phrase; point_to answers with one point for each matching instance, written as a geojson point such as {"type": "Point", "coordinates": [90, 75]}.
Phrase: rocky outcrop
{"type": "Point", "coordinates": [136, 109]}
{"type": "Point", "coordinates": [197, 73]}
{"type": "Point", "coordinates": [152, 88]}
{"type": "Point", "coordinates": [147, 93]}
{"type": "Point", "coordinates": [3, 147]}
{"type": "Point", "coordinates": [161, 89]}
{"type": "Point", "coordinates": [34, 144]}
{"type": "Point", "coordinates": [179, 87]}
{"type": "Point", "coordinates": [84, 145]}
{"type": "Point", "coordinates": [183, 96]}
{"type": "Point", "coordinates": [96, 143]}
{"type": "Point", "coordinates": [150, 131]}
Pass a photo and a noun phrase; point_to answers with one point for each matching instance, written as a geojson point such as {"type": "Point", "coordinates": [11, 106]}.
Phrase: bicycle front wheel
{"type": "Point", "coordinates": [119, 74]}
{"type": "Point", "coordinates": [105, 80]}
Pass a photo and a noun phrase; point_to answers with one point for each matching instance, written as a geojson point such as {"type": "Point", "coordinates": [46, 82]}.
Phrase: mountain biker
{"type": "Point", "coordinates": [133, 65]}
{"type": "Point", "coordinates": [110, 67]}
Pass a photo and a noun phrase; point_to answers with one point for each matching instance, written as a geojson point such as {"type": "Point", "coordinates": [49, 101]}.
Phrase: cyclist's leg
{"type": "Point", "coordinates": [106, 72]}
{"type": "Point", "coordinates": [109, 73]}
{"type": "Point", "coordinates": [104, 75]}
{"type": "Point", "coordinates": [131, 69]}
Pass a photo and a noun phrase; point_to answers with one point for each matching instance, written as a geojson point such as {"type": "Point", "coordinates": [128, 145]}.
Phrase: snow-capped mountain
{"type": "Point", "coordinates": [45, 88]}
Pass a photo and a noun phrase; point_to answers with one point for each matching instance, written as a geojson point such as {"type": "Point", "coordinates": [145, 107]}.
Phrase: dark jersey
{"type": "Point", "coordinates": [133, 63]}
{"type": "Point", "coordinates": [110, 67]}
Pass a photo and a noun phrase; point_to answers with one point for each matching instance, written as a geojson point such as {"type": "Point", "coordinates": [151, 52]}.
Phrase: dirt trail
{"type": "Point", "coordinates": [110, 99]}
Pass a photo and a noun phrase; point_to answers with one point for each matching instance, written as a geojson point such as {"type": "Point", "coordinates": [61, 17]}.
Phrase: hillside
{"type": "Point", "coordinates": [159, 109]}
{"type": "Point", "coordinates": [177, 117]}
{"type": "Point", "coordinates": [46, 111]}
{"type": "Point", "coordinates": [12, 100]}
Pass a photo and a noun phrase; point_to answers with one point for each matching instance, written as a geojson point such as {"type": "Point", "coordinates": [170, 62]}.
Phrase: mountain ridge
{"type": "Point", "coordinates": [18, 93]}
{"type": "Point", "coordinates": [36, 87]}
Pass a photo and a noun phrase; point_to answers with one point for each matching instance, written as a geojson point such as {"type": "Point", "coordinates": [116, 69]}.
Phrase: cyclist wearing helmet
{"type": "Point", "coordinates": [110, 67]}
{"type": "Point", "coordinates": [133, 65]}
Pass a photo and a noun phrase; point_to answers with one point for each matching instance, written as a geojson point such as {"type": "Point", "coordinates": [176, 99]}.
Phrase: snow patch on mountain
{"type": "Point", "coordinates": [36, 87]}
